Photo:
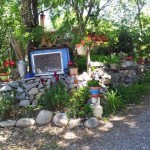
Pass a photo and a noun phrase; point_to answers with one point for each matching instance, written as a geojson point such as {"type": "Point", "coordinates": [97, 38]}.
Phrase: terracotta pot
{"type": "Point", "coordinates": [4, 77]}
{"type": "Point", "coordinates": [73, 71]}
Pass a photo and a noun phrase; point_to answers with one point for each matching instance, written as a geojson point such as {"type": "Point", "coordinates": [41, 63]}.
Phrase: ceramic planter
{"type": "Point", "coordinates": [4, 77]}
{"type": "Point", "coordinates": [114, 66]}
{"type": "Point", "coordinates": [81, 49]}
{"type": "Point", "coordinates": [94, 91]}
{"type": "Point", "coordinates": [129, 63]}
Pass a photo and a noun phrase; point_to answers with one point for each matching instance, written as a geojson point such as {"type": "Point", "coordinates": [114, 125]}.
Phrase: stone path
{"type": "Point", "coordinates": [127, 131]}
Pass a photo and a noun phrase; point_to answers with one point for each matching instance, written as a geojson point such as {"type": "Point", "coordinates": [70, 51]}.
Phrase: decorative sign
{"type": "Point", "coordinates": [47, 63]}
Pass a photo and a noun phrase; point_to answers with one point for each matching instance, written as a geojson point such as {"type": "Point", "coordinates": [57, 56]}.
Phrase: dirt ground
{"type": "Point", "coordinates": [129, 130]}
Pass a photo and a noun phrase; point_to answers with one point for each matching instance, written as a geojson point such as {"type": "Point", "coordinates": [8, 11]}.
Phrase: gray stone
{"type": "Point", "coordinates": [14, 84]}
{"type": "Point", "coordinates": [21, 96]}
{"type": "Point", "coordinates": [91, 123]}
{"type": "Point", "coordinates": [38, 96]}
{"type": "Point", "coordinates": [30, 81]}
{"type": "Point", "coordinates": [44, 117]}
{"type": "Point", "coordinates": [5, 88]}
{"type": "Point", "coordinates": [24, 103]}
{"type": "Point", "coordinates": [40, 86]}
{"type": "Point", "coordinates": [25, 122]}
{"type": "Point", "coordinates": [34, 103]}
{"type": "Point", "coordinates": [31, 97]}
{"type": "Point", "coordinates": [73, 123]}
{"type": "Point", "coordinates": [28, 87]}
{"type": "Point", "coordinates": [33, 91]}
{"type": "Point", "coordinates": [8, 123]}
{"type": "Point", "coordinates": [35, 84]}
{"type": "Point", "coordinates": [20, 90]}
{"type": "Point", "coordinates": [60, 119]}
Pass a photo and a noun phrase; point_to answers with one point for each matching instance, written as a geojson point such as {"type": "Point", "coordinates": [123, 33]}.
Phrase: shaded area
{"type": "Point", "coordinates": [127, 131]}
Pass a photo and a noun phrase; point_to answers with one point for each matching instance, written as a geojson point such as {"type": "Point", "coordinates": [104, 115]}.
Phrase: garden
{"type": "Point", "coordinates": [110, 57]}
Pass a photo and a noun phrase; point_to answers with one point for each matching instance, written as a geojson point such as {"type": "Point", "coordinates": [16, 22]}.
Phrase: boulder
{"type": "Point", "coordinates": [8, 123]}
{"type": "Point", "coordinates": [44, 117]}
{"type": "Point", "coordinates": [25, 122]}
{"type": "Point", "coordinates": [24, 103]}
{"type": "Point", "coordinates": [33, 91]}
{"type": "Point", "coordinates": [73, 123]}
{"type": "Point", "coordinates": [91, 123]}
{"type": "Point", "coordinates": [60, 119]}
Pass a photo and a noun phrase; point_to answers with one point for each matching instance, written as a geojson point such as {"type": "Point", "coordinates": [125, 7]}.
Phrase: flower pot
{"type": "Point", "coordinates": [81, 49]}
{"type": "Point", "coordinates": [94, 91]}
{"type": "Point", "coordinates": [73, 71]}
{"type": "Point", "coordinates": [114, 66]}
{"type": "Point", "coordinates": [4, 77]}
{"type": "Point", "coordinates": [129, 63]}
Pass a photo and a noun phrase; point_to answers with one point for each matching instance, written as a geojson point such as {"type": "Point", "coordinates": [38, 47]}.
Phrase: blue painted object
{"type": "Point", "coordinates": [29, 75]}
{"type": "Point", "coordinates": [65, 55]}
{"type": "Point", "coordinates": [95, 92]}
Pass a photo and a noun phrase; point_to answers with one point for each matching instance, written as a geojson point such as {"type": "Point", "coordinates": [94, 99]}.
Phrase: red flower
{"type": "Point", "coordinates": [12, 63]}
{"type": "Point", "coordinates": [129, 58]}
{"type": "Point", "coordinates": [6, 63]}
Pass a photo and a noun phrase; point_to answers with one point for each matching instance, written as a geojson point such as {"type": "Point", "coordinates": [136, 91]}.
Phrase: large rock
{"type": "Point", "coordinates": [14, 84]}
{"type": "Point", "coordinates": [33, 91]}
{"type": "Point", "coordinates": [24, 103]}
{"type": "Point", "coordinates": [44, 117]}
{"type": "Point", "coordinates": [25, 122]}
{"type": "Point", "coordinates": [60, 119]}
{"type": "Point", "coordinates": [20, 90]}
{"type": "Point", "coordinates": [21, 96]}
{"type": "Point", "coordinates": [5, 88]}
{"type": "Point", "coordinates": [91, 123]}
{"type": "Point", "coordinates": [8, 123]}
{"type": "Point", "coordinates": [73, 123]}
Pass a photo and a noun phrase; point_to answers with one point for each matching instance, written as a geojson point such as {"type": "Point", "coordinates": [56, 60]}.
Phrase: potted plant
{"type": "Point", "coordinates": [5, 69]}
{"type": "Point", "coordinates": [129, 61]}
{"type": "Point", "coordinates": [114, 61]}
{"type": "Point", "coordinates": [94, 87]}
{"type": "Point", "coordinates": [73, 68]}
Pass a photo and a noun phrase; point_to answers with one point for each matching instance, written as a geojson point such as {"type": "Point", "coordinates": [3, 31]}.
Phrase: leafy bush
{"type": "Point", "coordinates": [77, 105]}
{"type": "Point", "coordinates": [55, 98]}
{"type": "Point", "coordinates": [6, 106]}
{"type": "Point", "coordinates": [113, 102]}
{"type": "Point", "coordinates": [93, 83]}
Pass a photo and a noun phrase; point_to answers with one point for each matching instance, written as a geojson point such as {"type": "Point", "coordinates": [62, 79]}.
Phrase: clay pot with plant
{"type": "Point", "coordinates": [94, 87]}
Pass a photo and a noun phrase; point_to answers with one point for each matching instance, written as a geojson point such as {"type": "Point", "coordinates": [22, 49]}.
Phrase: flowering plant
{"type": "Point", "coordinates": [72, 64]}
{"type": "Point", "coordinates": [6, 66]}
{"type": "Point", "coordinates": [129, 58]}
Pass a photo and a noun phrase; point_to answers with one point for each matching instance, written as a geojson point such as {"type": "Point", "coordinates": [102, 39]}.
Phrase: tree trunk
{"type": "Point", "coordinates": [88, 61]}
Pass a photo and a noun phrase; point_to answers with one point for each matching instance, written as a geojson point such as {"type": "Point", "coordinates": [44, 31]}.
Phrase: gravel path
{"type": "Point", "coordinates": [128, 131]}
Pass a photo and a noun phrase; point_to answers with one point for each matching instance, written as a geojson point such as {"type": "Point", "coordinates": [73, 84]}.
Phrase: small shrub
{"type": "Point", "coordinates": [55, 98]}
{"type": "Point", "coordinates": [77, 105]}
{"type": "Point", "coordinates": [93, 83]}
{"type": "Point", "coordinates": [6, 106]}
{"type": "Point", "coordinates": [113, 102]}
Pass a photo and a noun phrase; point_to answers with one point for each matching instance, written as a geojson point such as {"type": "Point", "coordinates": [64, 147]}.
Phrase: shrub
{"type": "Point", "coordinates": [93, 83]}
{"type": "Point", "coordinates": [55, 98]}
{"type": "Point", "coordinates": [6, 106]}
{"type": "Point", "coordinates": [77, 105]}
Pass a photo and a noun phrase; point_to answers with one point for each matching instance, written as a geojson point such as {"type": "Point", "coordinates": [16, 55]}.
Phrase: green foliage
{"type": "Point", "coordinates": [6, 106]}
{"type": "Point", "coordinates": [113, 59]}
{"type": "Point", "coordinates": [77, 106]}
{"type": "Point", "coordinates": [113, 102]}
{"type": "Point", "coordinates": [93, 83]}
{"type": "Point", "coordinates": [55, 97]}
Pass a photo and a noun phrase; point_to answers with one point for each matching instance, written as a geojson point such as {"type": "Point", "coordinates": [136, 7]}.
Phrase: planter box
{"type": "Point", "coordinates": [4, 77]}
{"type": "Point", "coordinates": [129, 63]}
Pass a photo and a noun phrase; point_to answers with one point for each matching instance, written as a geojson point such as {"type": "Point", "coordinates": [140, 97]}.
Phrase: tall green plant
{"type": "Point", "coordinates": [55, 98]}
